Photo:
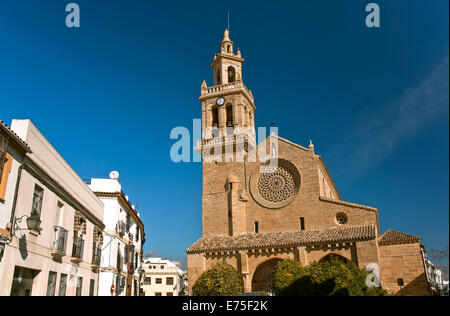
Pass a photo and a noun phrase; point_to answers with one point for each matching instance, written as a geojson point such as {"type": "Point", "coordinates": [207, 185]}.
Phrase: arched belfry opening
{"type": "Point", "coordinates": [229, 122]}
{"type": "Point", "coordinates": [231, 74]}
{"type": "Point", "coordinates": [219, 77]}
{"type": "Point", "coordinates": [263, 277]}
{"type": "Point", "coordinates": [229, 111]}
{"type": "Point", "coordinates": [215, 117]}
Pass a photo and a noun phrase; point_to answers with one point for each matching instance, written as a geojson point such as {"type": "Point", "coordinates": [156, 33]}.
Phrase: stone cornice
{"type": "Point", "coordinates": [324, 199]}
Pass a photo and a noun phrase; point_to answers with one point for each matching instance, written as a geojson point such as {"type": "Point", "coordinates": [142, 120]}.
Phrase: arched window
{"type": "Point", "coordinates": [215, 117]}
{"type": "Point", "coordinates": [229, 49]}
{"type": "Point", "coordinates": [231, 74]}
{"type": "Point", "coordinates": [230, 116]}
{"type": "Point", "coordinates": [218, 77]}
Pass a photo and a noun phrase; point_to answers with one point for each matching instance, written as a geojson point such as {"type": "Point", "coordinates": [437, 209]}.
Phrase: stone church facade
{"type": "Point", "coordinates": [276, 200]}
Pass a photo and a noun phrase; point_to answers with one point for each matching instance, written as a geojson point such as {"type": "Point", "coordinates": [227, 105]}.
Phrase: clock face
{"type": "Point", "coordinates": [220, 101]}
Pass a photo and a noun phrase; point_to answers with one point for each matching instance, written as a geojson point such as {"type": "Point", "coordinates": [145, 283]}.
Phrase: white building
{"type": "Point", "coordinates": [123, 238]}
{"type": "Point", "coordinates": [50, 221]}
{"type": "Point", "coordinates": [434, 277]}
{"type": "Point", "coordinates": [163, 278]}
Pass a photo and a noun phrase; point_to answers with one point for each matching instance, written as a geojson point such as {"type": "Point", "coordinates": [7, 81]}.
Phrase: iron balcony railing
{"type": "Point", "coordinates": [78, 247]}
{"type": "Point", "coordinates": [96, 256]}
{"type": "Point", "coordinates": [121, 227]}
{"type": "Point", "coordinates": [60, 240]}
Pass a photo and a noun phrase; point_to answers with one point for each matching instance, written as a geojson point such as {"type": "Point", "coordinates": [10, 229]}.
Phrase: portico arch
{"type": "Point", "coordinates": [263, 276]}
{"type": "Point", "coordinates": [334, 257]}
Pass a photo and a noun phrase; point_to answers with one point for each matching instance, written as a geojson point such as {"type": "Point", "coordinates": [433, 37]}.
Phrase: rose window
{"type": "Point", "coordinates": [276, 186]}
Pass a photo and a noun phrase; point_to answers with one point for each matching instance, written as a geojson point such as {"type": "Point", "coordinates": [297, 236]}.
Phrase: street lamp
{"type": "Point", "coordinates": [33, 222]}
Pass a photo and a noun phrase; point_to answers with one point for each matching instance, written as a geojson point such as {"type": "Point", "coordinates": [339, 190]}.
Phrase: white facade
{"type": "Point", "coordinates": [434, 276]}
{"type": "Point", "coordinates": [163, 278]}
{"type": "Point", "coordinates": [123, 238]}
{"type": "Point", "coordinates": [57, 258]}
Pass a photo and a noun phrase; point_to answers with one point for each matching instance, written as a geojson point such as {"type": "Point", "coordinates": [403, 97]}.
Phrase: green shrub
{"type": "Point", "coordinates": [220, 280]}
{"type": "Point", "coordinates": [286, 279]}
{"type": "Point", "coordinates": [333, 278]}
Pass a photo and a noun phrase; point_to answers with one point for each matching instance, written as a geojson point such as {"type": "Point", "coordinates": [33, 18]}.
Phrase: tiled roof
{"type": "Point", "coordinates": [392, 237]}
{"type": "Point", "coordinates": [13, 135]}
{"type": "Point", "coordinates": [285, 239]}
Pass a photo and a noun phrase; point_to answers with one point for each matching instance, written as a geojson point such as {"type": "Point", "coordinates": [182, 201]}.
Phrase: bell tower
{"type": "Point", "coordinates": [227, 66]}
{"type": "Point", "coordinates": [228, 135]}
{"type": "Point", "coordinates": [228, 106]}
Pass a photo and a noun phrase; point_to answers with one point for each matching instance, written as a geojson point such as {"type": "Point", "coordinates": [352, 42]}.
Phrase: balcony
{"type": "Point", "coordinates": [59, 243]}
{"type": "Point", "coordinates": [227, 88]}
{"type": "Point", "coordinates": [96, 258]}
{"type": "Point", "coordinates": [77, 250]}
{"type": "Point", "coordinates": [244, 140]}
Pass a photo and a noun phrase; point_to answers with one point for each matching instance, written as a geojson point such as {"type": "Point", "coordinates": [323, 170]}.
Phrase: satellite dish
{"type": "Point", "coordinates": [114, 175]}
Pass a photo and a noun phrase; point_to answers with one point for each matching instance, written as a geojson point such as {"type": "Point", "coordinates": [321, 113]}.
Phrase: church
{"type": "Point", "coordinates": [284, 204]}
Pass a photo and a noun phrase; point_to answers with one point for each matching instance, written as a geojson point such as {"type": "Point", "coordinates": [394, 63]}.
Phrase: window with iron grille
{"type": "Point", "coordinates": [79, 286]}
{"type": "Point", "coordinates": [62, 285]}
{"type": "Point", "coordinates": [51, 285]}
{"type": "Point", "coordinates": [78, 246]}
{"type": "Point", "coordinates": [37, 200]}
{"type": "Point", "coordinates": [126, 254]}
{"type": "Point", "coordinates": [119, 261]}
{"type": "Point", "coordinates": [91, 287]}
{"type": "Point", "coordinates": [128, 222]}
{"type": "Point", "coordinates": [3, 150]}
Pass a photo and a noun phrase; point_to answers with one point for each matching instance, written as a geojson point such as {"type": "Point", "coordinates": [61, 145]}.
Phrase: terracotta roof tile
{"type": "Point", "coordinates": [16, 137]}
{"type": "Point", "coordinates": [392, 237]}
{"type": "Point", "coordinates": [285, 239]}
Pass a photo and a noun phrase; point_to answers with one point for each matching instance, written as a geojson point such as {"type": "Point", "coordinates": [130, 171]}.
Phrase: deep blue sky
{"type": "Point", "coordinates": [107, 95]}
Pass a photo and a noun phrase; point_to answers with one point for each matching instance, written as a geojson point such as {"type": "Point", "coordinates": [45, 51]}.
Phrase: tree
{"type": "Point", "coordinates": [333, 278]}
{"type": "Point", "coordinates": [289, 279]}
{"type": "Point", "coordinates": [220, 280]}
